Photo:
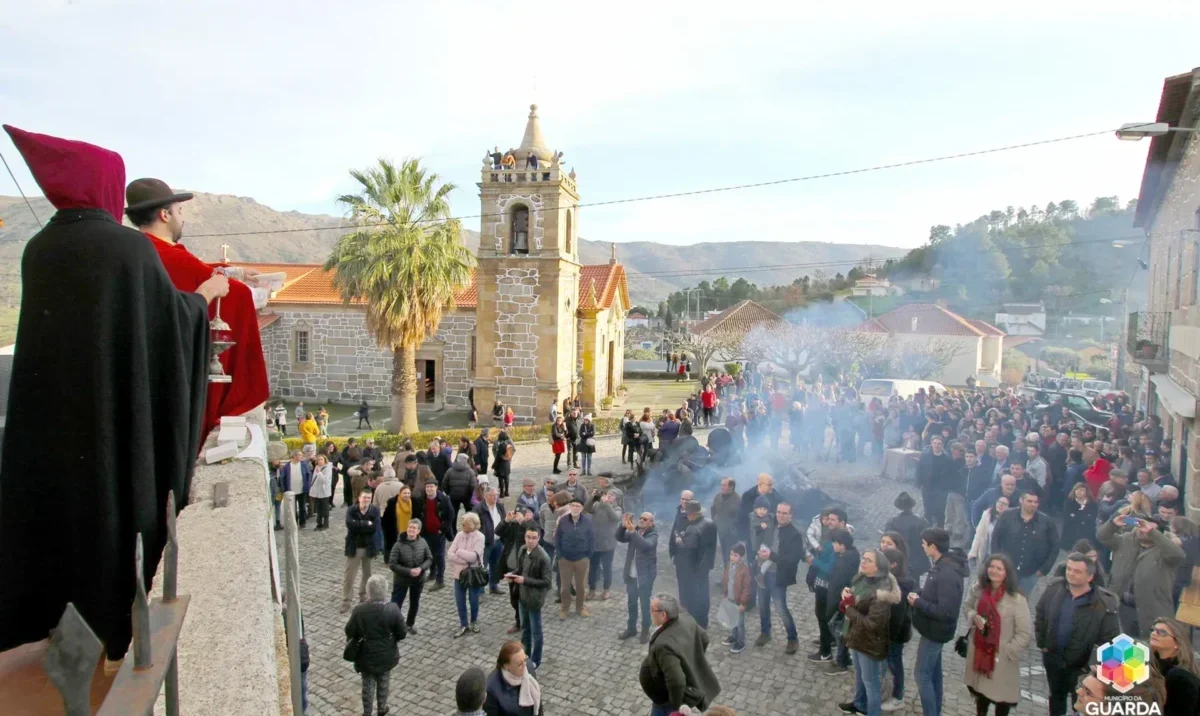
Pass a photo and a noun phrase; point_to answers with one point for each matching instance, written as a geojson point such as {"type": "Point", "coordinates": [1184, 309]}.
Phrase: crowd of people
{"type": "Point", "coordinates": [1002, 488]}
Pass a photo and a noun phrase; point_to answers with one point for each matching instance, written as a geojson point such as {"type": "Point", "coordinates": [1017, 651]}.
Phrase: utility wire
{"type": "Point", "coordinates": [698, 192]}
{"type": "Point", "coordinates": [22, 191]}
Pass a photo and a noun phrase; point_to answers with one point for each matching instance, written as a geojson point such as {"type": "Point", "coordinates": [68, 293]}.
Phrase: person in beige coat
{"type": "Point", "coordinates": [996, 596]}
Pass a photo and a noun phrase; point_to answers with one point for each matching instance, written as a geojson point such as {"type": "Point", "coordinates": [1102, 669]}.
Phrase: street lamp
{"type": "Point", "coordinates": [1133, 131]}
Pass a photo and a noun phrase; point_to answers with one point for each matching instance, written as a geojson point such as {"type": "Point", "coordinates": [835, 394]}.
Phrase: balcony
{"type": "Point", "coordinates": [546, 172]}
{"type": "Point", "coordinates": [1149, 339]}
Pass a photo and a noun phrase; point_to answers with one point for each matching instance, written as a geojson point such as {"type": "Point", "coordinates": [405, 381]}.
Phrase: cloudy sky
{"type": "Point", "coordinates": [277, 100]}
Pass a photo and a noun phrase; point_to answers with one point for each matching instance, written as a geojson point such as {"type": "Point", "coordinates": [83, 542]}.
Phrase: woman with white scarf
{"type": "Point", "coordinates": [511, 688]}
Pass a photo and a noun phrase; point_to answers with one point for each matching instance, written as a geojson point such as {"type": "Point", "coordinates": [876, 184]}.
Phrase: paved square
{"type": "Point", "coordinates": [585, 669]}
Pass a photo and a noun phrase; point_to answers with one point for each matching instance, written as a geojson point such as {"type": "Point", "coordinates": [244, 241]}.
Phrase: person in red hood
{"type": "Point", "coordinates": [158, 213]}
{"type": "Point", "coordinates": [1097, 475]}
{"type": "Point", "coordinates": [114, 358]}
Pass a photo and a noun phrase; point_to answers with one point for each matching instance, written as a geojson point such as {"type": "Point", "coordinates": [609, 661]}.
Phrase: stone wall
{"type": "Point", "coordinates": [515, 355]}
{"type": "Point", "coordinates": [347, 365]}
{"type": "Point", "coordinates": [1173, 265]}
{"type": "Point", "coordinates": [455, 332]}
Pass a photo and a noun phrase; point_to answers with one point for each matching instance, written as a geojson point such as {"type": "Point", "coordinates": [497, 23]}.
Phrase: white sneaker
{"type": "Point", "coordinates": [892, 704]}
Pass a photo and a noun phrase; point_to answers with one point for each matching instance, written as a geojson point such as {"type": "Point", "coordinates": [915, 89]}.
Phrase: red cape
{"type": "Point", "coordinates": [243, 361]}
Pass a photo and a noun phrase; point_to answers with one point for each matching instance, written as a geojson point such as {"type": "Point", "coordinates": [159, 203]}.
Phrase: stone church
{"type": "Point", "coordinates": [534, 327]}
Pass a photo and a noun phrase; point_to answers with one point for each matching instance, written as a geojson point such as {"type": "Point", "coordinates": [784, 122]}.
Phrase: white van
{"type": "Point", "coordinates": [885, 388]}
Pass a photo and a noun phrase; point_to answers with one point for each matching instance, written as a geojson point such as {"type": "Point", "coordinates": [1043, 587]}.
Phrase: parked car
{"type": "Point", "coordinates": [1081, 409]}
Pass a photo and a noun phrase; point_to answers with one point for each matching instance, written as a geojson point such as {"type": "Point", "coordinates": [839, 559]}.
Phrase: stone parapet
{"type": "Point", "coordinates": [231, 655]}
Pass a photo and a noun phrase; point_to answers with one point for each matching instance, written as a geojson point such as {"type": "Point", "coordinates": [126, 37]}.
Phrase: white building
{"type": "Point", "coordinates": [977, 346]}
{"type": "Point", "coordinates": [869, 285]}
{"type": "Point", "coordinates": [636, 319]}
{"type": "Point", "coordinates": [1022, 319]}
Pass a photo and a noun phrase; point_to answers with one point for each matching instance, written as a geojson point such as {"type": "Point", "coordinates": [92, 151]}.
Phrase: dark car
{"type": "Point", "coordinates": [1081, 409]}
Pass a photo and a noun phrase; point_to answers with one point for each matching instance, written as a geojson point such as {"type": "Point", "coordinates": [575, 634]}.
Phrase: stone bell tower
{"type": "Point", "coordinates": [528, 280]}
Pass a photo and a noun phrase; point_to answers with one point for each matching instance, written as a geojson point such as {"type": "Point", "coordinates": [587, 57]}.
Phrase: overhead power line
{"type": "Point", "coordinates": [36, 218]}
{"type": "Point", "coordinates": [698, 192]}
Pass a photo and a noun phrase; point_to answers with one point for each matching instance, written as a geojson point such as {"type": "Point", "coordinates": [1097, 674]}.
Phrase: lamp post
{"type": "Point", "coordinates": [1133, 131]}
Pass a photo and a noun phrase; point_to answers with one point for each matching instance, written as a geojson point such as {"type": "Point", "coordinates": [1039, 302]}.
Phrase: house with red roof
{"type": "Point", "coordinates": [976, 346]}
{"type": "Point", "coordinates": [533, 327]}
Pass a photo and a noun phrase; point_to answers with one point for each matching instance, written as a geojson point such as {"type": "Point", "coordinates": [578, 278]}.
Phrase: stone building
{"type": "Point", "coordinates": [534, 327]}
{"type": "Point", "coordinates": [1164, 339]}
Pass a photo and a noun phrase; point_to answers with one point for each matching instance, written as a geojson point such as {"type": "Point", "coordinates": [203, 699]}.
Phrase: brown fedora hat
{"type": "Point", "coordinates": [150, 194]}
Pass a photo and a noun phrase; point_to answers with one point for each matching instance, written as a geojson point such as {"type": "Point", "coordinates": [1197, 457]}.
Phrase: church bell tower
{"type": "Point", "coordinates": [528, 277]}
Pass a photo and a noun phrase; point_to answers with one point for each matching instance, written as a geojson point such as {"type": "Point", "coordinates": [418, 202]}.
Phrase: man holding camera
{"type": "Point", "coordinates": [1144, 561]}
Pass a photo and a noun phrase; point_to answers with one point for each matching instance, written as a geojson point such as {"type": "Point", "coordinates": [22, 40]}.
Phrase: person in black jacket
{"type": "Point", "coordinates": [844, 568]}
{"type": "Point", "coordinates": [361, 522]}
{"type": "Point", "coordinates": [899, 626]}
{"type": "Point", "coordinates": [506, 684]}
{"type": "Point", "coordinates": [935, 471]}
{"type": "Point", "coordinates": [409, 560]}
{"type": "Point", "coordinates": [1079, 516]}
{"type": "Point", "coordinates": [695, 554]}
{"type": "Point", "coordinates": [910, 527]}
{"type": "Point", "coordinates": [437, 460]}
{"type": "Point", "coordinates": [377, 627]}
{"type": "Point", "coordinates": [437, 528]}
{"type": "Point", "coordinates": [482, 448]}
{"type": "Point", "coordinates": [784, 555]}
{"type": "Point", "coordinates": [510, 533]}
{"type": "Point", "coordinates": [1067, 647]}
{"type": "Point", "coordinates": [502, 453]}
{"type": "Point", "coordinates": [935, 613]}
{"type": "Point", "coordinates": [1172, 656]}
{"type": "Point", "coordinates": [1030, 538]}
{"type": "Point", "coordinates": [572, 423]}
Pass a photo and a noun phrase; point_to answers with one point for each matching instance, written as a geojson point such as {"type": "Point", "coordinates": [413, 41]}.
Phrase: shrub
{"type": "Point", "coordinates": [391, 442]}
{"type": "Point", "coordinates": [606, 402]}
{"type": "Point", "coordinates": [733, 369]}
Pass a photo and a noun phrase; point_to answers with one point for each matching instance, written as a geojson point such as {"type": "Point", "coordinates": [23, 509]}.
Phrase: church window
{"type": "Point", "coordinates": [303, 348]}
{"type": "Point", "coordinates": [473, 354]}
{"type": "Point", "coordinates": [520, 231]}
{"type": "Point", "coordinates": [570, 226]}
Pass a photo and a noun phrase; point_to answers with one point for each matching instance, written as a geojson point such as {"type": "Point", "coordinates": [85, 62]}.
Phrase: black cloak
{"type": "Point", "coordinates": [110, 368]}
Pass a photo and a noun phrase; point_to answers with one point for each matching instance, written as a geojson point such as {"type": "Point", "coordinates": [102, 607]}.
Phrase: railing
{"type": "Point", "coordinates": [70, 658]}
{"type": "Point", "coordinates": [293, 612]}
{"type": "Point", "coordinates": [1149, 336]}
{"type": "Point", "coordinates": [546, 172]}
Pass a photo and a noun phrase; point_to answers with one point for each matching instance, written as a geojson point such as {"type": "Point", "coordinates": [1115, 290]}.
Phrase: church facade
{"type": "Point", "coordinates": [533, 328]}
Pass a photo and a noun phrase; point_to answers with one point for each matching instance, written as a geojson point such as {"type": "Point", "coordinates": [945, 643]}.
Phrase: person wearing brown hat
{"type": "Point", "coordinates": [157, 212]}
{"type": "Point", "coordinates": [103, 324]}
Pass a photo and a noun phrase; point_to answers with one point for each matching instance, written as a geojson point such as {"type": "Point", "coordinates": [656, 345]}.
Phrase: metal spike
{"type": "Point", "coordinates": [171, 554]}
{"type": "Point", "coordinates": [142, 656]}
{"type": "Point", "coordinates": [71, 659]}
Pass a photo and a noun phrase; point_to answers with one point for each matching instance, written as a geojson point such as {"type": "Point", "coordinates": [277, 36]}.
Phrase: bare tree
{"type": "Point", "coordinates": [799, 349]}
{"type": "Point", "coordinates": [925, 359]}
{"type": "Point", "coordinates": [703, 346]}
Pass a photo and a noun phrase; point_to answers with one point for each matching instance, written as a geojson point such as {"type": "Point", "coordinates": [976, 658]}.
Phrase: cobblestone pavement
{"type": "Point", "coordinates": [585, 669]}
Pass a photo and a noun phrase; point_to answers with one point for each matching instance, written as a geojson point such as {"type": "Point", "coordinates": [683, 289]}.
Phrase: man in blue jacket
{"type": "Point", "coordinates": [575, 540]}
{"type": "Point", "coordinates": [641, 569]}
{"type": "Point", "coordinates": [296, 476]}
{"type": "Point", "coordinates": [935, 613]}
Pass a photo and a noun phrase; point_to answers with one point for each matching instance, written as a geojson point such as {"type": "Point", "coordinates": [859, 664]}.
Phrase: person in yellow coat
{"type": "Point", "coordinates": [309, 432]}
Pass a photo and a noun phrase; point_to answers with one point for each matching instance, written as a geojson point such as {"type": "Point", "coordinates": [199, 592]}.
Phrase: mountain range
{"type": "Point", "coordinates": [654, 269]}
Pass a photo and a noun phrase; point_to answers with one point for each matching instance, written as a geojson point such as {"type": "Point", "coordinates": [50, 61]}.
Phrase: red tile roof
{"type": "Point", "coordinates": [309, 284]}
{"type": "Point", "coordinates": [738, 318]}
{"type": "Point", "coordinates": [931, 319]}
{"type": "Point", "coordinates": [266, 319]}
{"type": "Point", "coordinates": [607, 280]}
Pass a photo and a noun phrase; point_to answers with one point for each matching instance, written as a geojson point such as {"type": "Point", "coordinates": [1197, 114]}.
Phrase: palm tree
{"type": "Point", "coordinates": [404, 262]}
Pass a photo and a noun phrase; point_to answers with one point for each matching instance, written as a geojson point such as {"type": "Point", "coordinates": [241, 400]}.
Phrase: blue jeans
{"type": "Point", "coordinates": [1027, 585]}
{"type": "Point", "coordinates": [895, 662]}
{"type": "Point", "coordinates": [495, 569]}
{"type": "Point", "coordinates": [586, 465]}
{"type": "Point", "coordinates": [778, 594]}
{"type": "Point", "coordinates": [660, 710]}
{"type": "Point", "coordinates": [601, 564]}
{"type": "Point", "coordinates": [460, 601]}
{"type": "Point", "coordinates": [739, 631]}
{"type": "Point", "coordinates": [638, 592]}
{"type": "Point", "coordinates": [531, 633]}
{"type": "Point", "coordinates": [304, 691]}
{"type": "Point", "coordinates": [928, 673]}
{"type": "Point", "coordinates": [868, 674]}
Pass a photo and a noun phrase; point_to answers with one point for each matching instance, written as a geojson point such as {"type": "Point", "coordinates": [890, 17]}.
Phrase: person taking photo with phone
{"type": "Point", "coordinates": [1144, 561]}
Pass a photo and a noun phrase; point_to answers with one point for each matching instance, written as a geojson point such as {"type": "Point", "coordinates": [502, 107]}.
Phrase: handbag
{"type": "Point", "coordinates": [350, 653]}
{"type": "Point", "coordinates": [960, 644]}
{"type": "Point", "coordinates": [590, 442]}
{"type": "Point", "coordinates": [474, 577]}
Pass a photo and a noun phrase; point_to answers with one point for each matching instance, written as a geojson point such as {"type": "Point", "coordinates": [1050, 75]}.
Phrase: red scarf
{"type": "Point", "coordinates": [987, 644]}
